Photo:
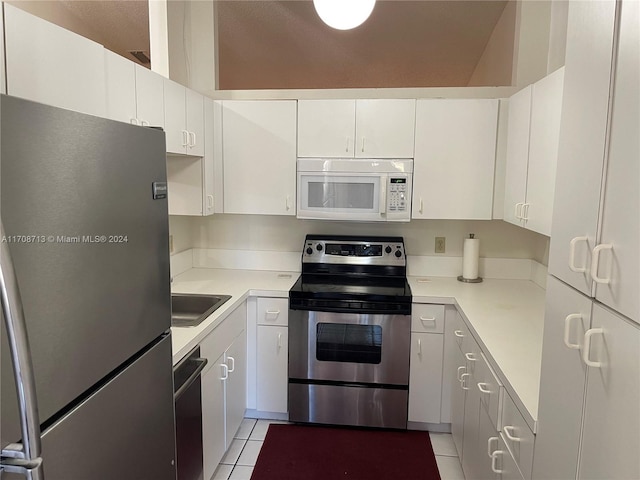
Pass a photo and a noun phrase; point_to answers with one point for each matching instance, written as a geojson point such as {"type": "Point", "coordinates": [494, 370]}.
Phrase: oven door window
{"type": "Point", "coordinates": [341, 193]}
{"type": "Point", "coordinates": [337, 342]}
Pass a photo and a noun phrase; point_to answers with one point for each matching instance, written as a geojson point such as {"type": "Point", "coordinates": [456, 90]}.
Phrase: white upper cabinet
{"type": "Point", "coordinates": [208, 161]}
{"type": "Point", "coordinates": [356, 128]}
{"type": "Point", "coordinates": [259, 156]}
{"type": "Point", "coordinates": [184, 119]}
{"type": "Point", "coordinates": [532, 153]}
{"type": "Point", "coordinates": [617, 257]}
{"type": "Point", "coordinates": [48, 64]}
{"type": "Point", "coordinates": [583, 134]}
{"type": "Point", "coordinates": [455, 151]}
{"type": "Point", "coordinates": [120, 77]}
{"type": "Point", "coordinates": [149, 97]}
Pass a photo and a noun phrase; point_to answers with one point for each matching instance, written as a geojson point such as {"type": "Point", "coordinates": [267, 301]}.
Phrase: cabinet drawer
{"type": "Point", "coordinates": [427, 318]}
{"type": "Point", "coordinates": [490, 389]}
{"type": "Point", "coordinates": [273, 311]}
{"type": "Point", "coordinates": [518, 437]}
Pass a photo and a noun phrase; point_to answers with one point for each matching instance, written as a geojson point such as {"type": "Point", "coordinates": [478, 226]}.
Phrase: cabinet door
{"type": "Point", "coordinates": [515, 182]}
{"type": "Point", "coordinates": [546, 107]}
{"type": "Point", "coordinates": [272, 377]}
{"type": "Point", "coordinates": [505, 463]}
{"type": "Point", "coordinates": [620, 218]}
{"type": "Point", "coordinates": [195, 122]}
{"type": "Point", "coordinates": [175, 117]}
{"type": "Point", "coordinates": [385, 128]}
{"type": "Point", "coordinates": [259, 155]}
{"type": "Point", "coordinates": [454, 159]}
{"type": "Point", "coordinates": [236, 388]}
{"type": "Point", "coordinates": [120, 88]}
{"type": "Point", "coordinates": [149, 97]}
{"type": "Point", "coordinates": [326, 128]}
{"type": "Point", "coordinates": [562, 382]}
{"type": "Point", "coordinates": [583, 127]}
{"type": "Point", "coordinates": [611, 432]}
{"type": "Point", "coordinates": [458, 394]}
{"type": "Point", "coordinates": [208, 161]}
{"type": "Point", "coordinates": [425, 377]}
{"type": "Point", "coordinates": [487, 443]}
{"type": "Point", "coordinates": [213, 416]}
{"type": "Point", "coordinates": [471, 456]}
{"type": "Point", "coordinates": [48, 64]}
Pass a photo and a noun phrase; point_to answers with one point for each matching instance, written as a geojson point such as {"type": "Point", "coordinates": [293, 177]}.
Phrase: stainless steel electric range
{"type": "Point", "coordinates": [349, 333]}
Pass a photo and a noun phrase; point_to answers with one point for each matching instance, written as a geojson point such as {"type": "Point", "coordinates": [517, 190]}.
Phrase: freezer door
{"type": "Point", "coordinates": [124, 431]}
{"type": "Point", "coordinates": [89, 245]}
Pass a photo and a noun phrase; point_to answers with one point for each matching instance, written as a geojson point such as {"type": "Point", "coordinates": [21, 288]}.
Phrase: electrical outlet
{"type": "Point", "coordinates": [440, 244]}
{"type": "Point", "coordinates": [170, 243]}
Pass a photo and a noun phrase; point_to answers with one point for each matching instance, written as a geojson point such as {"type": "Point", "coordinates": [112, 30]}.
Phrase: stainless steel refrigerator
{"type": "Point", "coordinates": [84, 209]}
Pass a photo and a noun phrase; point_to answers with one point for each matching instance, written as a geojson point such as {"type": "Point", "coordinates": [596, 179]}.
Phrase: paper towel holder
{"type": "Point", "coordinates": [470, 280]}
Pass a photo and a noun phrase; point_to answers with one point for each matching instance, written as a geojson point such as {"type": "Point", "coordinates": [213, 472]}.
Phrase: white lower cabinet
{"type": "Point", "coordinates": [503, 463]}
{"type": "Point", "coordinates": [458, 396]}
{"type": "Point", "coordinates": [272, 379]}
{"type": "Point", "coordinates": [425, 377]}
{"type": "Point", "coordinates": [488, 438]}
{"type": "Point", "coordinates": [223, 386]}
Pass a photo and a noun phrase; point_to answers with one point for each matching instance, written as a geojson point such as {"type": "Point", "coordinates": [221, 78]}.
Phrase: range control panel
{"type": "Point", "coordinates": [389, 251]}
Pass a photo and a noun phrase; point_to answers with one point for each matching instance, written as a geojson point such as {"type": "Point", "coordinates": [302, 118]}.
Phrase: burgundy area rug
{"type": "Point", "coordinates": [297, 452]}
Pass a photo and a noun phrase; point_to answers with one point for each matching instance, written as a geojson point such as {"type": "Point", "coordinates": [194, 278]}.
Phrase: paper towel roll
{"type": "Point", "coordinates": [470, 256]}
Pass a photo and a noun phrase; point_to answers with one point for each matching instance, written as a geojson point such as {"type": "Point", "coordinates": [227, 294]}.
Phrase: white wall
{"type": "Point", "coordinates": [286, 234]}
{"type": "Point", "coordinates": [557, 34]}
{"type": "Point", "coordinates": [531, 47]}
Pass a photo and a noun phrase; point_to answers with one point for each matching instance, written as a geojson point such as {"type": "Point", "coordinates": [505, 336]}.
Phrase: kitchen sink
{"type": "Point", "coordinates": [189, 310]}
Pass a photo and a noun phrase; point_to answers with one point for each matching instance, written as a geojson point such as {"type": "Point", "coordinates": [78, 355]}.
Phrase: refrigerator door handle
{"type": "Point", "coordinates": [25, 456]}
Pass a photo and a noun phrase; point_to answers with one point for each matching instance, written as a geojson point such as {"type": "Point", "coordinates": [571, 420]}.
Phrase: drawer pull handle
{"type": "Point", "coordinates": [483, 387]}
{"type": "Point", "coordinates": [587, 347]}
{"type": "Point", "coordinates": [462, 380]}
{"type": "Point", "coordinates": [509, 431]}
{"type": "Point", "coordinates": [428, 319]}
{"type": "Point", "coordinates": [567, 331]}
{"type": "Point", "coordinates": [233, 364]}
{"type": "Point", "coordinates": [458, 333]}
{"type": "Point", "coordinates": [494, 457]}
{"type": "Point", "coordinates": [471, 357]}
{"type": "Point", "coordinates": [460, 369]}
{"type": "Point", "coordinates": [225, 370]}
{"type": "Point", "coordinates": [489, 441]}
{"type": "Point", "coordinates": [273, 313]}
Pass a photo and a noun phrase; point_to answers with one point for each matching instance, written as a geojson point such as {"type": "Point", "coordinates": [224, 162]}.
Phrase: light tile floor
{"type": "Point", "coordinates": [241, 457]}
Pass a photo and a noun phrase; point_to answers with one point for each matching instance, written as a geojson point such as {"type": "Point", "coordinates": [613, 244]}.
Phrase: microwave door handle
{"type": "Point", "coordinates": [383, 194]}
{"type": "Point", "coordinates": [22, 458]}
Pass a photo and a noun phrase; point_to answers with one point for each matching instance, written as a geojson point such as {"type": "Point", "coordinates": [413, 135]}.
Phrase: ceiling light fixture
{"type": "Point", "coordinates": [344, 14]}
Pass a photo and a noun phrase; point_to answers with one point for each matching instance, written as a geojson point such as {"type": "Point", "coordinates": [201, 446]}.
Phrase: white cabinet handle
{"type": "Point", "coordinates": [494, 457]}
{"type": "Point", "coordinates": [286, 203]}
{"type": "Point", "coordinates": [483, 387]}
{"type": "Point", "coordinates": [420, 209]}
{"type": "Point", "coordinates": [518, 210]}
{"type": "Point", "coordinates": [193, 139]}
{"type": "Point", "coordinates": [133, 121]}
{"type": "Point", "coordinates": [185, 138]}
{"type": "Point", "coordinates": [420, 348]}
{"type": "Point", "coordinates": [458, 333]}
{"type": "Point", "coordinates": [233, 364]}
{"type": "Point", "coordinates": [525, 211]}
{"type": "Point", "coordinates": [572, 255]}
{"type": "Point", "coordinates": [489, 441]}
{"type": "Point", "coordinates": [460, 370]}
{"type": "Point", "coordinates": [144, 123]}
{"type": "Point", "coordinates": [209, 202]}
{"type": "Point", "coordinates": [347, 147]}
{"type": "Point", "coordinates": [587, 347]}
{"type": "Point", "coordinates": [225, 371]}
{"type": "Point", "coordinates": [431, 320]}
{"type": "Point", "coordinates": [509, 432]}
{"type": "Point", "coordinates": [567, 331]}
{"type": "Point", "coordinates": [279, 341]}
{"type": "Point", "coordinates": [363, 144]}
{"type": "Point", "coordinates": [272, 314]}
{"type": "Point", "coordinates": [471, 357]}
{"type": "Point", "coordinates": [462, 381]}
{"type": "Point", "coordinates": [596, 260]}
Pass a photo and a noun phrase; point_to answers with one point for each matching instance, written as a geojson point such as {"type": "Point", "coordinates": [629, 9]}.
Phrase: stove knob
{"type": "Point", "coordinates": [319, 247]}
{"type": "Point", "coordinates": [398, 253]}
{"type": "Point", "coordinates": [388, 249]}
{"type": "Point", "coordinates": [309, 250]}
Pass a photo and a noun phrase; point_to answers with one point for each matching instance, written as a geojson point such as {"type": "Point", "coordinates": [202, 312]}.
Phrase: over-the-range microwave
{"type": "Point", "coordinates": [367, 190]}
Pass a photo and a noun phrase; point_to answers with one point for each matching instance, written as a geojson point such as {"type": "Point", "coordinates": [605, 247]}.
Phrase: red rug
{"type": "Point", "coordinates": [297, 452]}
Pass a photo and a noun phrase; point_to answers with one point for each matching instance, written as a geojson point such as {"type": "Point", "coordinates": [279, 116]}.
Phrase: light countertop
{"type": "Point", "coordinates": [505, 316]}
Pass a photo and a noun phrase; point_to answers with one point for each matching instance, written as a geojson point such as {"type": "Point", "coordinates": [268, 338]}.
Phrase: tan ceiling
{"type": "Point", "coordinates": [284, 44]}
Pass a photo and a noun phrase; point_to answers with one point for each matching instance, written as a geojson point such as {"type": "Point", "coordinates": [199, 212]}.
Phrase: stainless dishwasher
{"type": "Point", "coordinates": [188, 403]}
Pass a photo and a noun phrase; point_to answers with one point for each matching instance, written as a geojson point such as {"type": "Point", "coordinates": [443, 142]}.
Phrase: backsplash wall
{"type": "Point", "coordinates": [498, 239]}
